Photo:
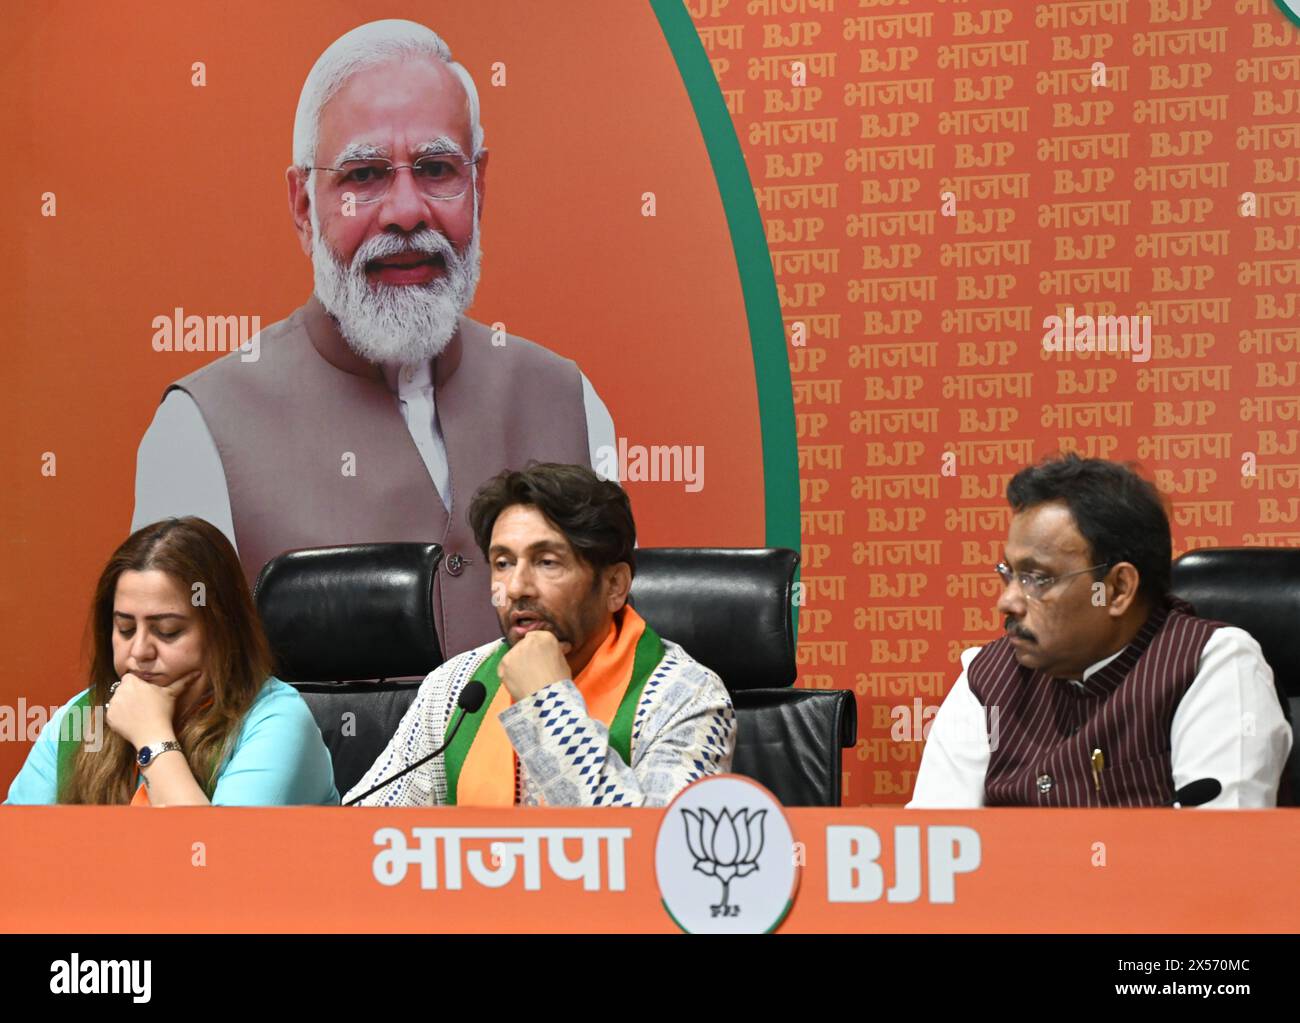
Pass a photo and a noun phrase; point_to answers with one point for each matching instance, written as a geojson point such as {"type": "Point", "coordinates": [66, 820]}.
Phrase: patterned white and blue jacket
{"type": "Point", "coordinates": [684, 728]}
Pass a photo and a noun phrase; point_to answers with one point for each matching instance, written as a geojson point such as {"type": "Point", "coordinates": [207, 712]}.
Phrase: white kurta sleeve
{"type": "Point", "coordinates": [1229, 724]}
{"type": "Point", "coordinates": [178, 469]}
{"type": "Point", "coordinates": [956, 756]}
{"type": "Point", "coordinates": [600, 430]}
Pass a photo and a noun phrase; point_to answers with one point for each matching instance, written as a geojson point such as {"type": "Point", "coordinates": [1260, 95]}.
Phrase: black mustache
{"type": "Point", "coordinates": [519, 609]}
{"type": "Point", "coordinates": [538, 612]}
{"type": "Point", "coordinates": [1013, 629]}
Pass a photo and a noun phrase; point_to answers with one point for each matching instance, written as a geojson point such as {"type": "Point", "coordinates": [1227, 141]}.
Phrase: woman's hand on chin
{"type": "Point", "coordinates": [141, 712]}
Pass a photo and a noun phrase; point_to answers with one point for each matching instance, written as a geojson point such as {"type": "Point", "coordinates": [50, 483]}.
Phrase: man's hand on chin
{"type": "Point", "coordinates": [534, 663]}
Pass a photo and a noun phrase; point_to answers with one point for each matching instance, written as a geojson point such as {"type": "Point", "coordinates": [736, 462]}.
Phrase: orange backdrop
{"type": "Point", "coordinates": [1166, 187]}
{"type": "Point", "coordinates": [935, 180]}
{"type": "Point", "coordinates": [173, 195]}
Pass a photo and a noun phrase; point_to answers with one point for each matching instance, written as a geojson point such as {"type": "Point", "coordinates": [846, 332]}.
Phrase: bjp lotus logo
{"type": "Point", "coordinates": [726, 847]}
{"type": "Point", "coordinates": [716, 830]}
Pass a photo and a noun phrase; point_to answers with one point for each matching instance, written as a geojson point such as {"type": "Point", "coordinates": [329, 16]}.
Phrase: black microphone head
{"type": "Point", "coordinates": [1194, 793]}
{"type": "Point", "coordinates": [474, 693]}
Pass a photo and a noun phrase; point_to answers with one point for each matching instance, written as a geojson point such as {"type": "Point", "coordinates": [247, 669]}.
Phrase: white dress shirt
{"type": "Point", "coordinates": [178, 469]}
{"type": "Point", "coordinates": [1228, 726]}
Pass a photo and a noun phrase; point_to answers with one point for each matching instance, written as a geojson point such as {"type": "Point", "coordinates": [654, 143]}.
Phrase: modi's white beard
{"type": "Point", "coordinates": [400, 324]}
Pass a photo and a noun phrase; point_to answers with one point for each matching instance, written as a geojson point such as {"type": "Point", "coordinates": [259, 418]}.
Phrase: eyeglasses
{"type": "Point", "coordinates": [1034, 585]}
{"type": "Point", "coordinates": [438, 177]}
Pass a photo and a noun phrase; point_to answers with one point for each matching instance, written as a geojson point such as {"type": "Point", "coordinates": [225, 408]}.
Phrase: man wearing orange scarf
{"type": "Point", "coordinates": [586, 705]}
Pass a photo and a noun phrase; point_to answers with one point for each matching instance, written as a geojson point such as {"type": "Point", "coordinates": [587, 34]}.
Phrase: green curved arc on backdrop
{"type": "Point", "coordinates": [758, 285]}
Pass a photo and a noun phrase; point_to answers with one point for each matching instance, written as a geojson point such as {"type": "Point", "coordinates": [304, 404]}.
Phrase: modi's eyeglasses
{"type": "Point", "coordinates": [438, 177]}
{"type": "Point", "coordinates": [1034, 585]}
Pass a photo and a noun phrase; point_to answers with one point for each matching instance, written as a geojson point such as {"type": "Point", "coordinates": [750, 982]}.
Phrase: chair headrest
{"type": "Point", "coordinates": [1253, 588]}
{"type": "Point", "coordinates": [729, 608]}
{"type": "Point", "coordinates": [360, 611]}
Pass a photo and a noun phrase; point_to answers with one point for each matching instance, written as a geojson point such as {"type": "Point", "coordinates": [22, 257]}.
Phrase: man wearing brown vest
{"type": "Point", "coordinates": [1105, 690]}
{"type": "Point", "coordinates": [376, 410]}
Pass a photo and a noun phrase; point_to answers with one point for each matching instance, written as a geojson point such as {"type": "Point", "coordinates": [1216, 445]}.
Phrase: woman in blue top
{"type": "Point", "coordinates": [182, 709]}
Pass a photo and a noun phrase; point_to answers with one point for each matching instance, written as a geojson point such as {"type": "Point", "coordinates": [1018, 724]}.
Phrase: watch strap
{"type": "Point", "coordinates": [148, 754]}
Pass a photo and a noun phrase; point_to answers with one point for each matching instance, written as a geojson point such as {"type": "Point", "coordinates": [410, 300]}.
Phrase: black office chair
{"type": "Point", "coordinates": [730, 609]}
{"type": "Point", "coordinates": [1256, 589]}
{"type": "Point", "coordinates": [339, 616]}
{"type": "Point", "coordinates": [352, 629]}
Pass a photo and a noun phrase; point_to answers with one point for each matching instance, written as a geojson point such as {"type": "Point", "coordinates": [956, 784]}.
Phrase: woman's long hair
{"type": "Point", "coordinates": [236, 658]}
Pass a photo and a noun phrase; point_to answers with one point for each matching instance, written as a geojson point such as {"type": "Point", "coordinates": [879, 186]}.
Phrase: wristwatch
{"type": "Point", "coordinates": [148, 754]}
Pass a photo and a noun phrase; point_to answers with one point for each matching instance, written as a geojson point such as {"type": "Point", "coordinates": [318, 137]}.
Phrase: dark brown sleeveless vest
{"type": "Point", "coordinates": [1045, 729]}
{"type": "Point", "coordinates": [291, 424]}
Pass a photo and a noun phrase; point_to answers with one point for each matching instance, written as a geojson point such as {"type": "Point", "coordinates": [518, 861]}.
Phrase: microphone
{"type": "Point", "coordinates": [470, 700]}
{"type": "Point", "coordinates": [1194, 793]}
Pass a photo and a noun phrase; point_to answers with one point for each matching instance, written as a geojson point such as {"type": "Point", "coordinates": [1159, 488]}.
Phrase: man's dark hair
{"type": "Point", "coordinates": [594, 515]}
{"type": "Point", "coordinates": [1120, 514]}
